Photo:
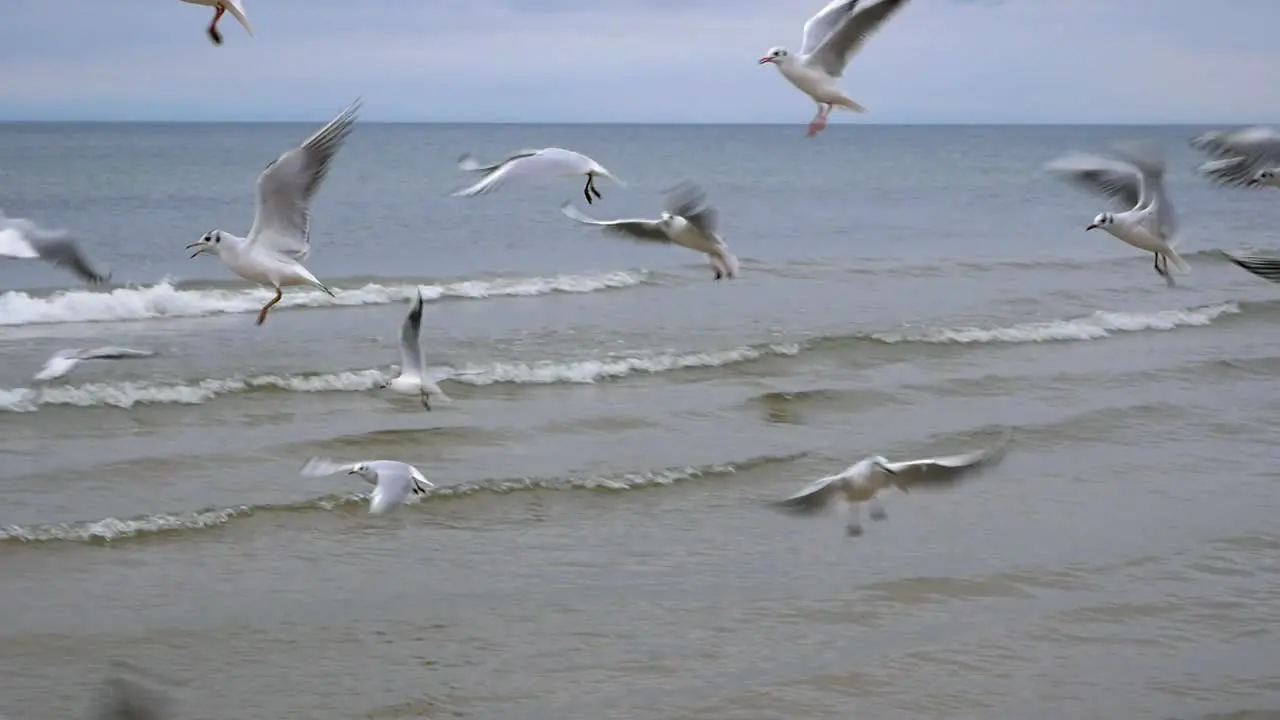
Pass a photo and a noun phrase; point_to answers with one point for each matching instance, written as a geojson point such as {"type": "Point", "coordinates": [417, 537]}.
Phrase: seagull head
{"type": "Point", "coordinates": [1264, 177]}
{"type": "Point", "coordinates": [776, 55]}
{"type": "Point", "coordinates": [1103, 220]}
{"type": "Point", "coordinates": [364, 471]}
{"type": "Point", "coordinates": [210, 242]}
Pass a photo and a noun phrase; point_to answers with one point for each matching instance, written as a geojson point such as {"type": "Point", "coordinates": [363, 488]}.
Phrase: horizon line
{"type": "Point", "coordinates": [1130, 123]}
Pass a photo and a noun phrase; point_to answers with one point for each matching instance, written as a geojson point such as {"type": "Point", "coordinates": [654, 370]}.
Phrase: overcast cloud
{"type": "Point", "coordinates": [939, 61]}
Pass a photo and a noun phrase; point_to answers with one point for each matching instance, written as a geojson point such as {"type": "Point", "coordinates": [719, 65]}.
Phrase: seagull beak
{"type": "Point", "coordinates": [764, 60]}
{"type": "Point", "coordinates": [199, 248]}
{"type": "Point", "coordinates": [352, 472]}
{"type": "Point", "coordinates": [1092, 226]}
{"type": "Point", "coordinates": [888, 469]}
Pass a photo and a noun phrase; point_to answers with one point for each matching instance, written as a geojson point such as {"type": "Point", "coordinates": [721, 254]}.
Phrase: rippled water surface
{"type": "Point", "coordinates": [598, 544]}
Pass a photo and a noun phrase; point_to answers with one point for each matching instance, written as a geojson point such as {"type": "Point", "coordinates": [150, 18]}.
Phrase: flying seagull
{"type": "Point", "coordinates": [544, 163]}
{"type": "Point", "coordinates": [688, 222]}
{"type": "Point", "coordinates": [1135, 180]}
{"type": "Point", "coordinates": [1248, 157]}
{"type": "Point", "coordinates": [221, 7]}
{"type": "Point", "coordinates": [413, 379]}
{"type": "Point", "coordinates": [24, 240]}
{"type": "Point", "coordinates": [861, 482]}
{"type": "Point", "coordinates": [831, 38]}
{"type": "Point", "coordinates": [64, 361]}
{"type": "Point", "coordinates": [280, 238]}
{"type": "Point", "coordinates": [394, 482]}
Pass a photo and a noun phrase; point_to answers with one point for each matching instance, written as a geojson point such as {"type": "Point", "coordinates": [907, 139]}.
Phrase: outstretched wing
{"type": "Point", "coordinates": [812, 498]}
{"type": "Point", "coordinates": [1118, 181]}
{"type": "Point", "coordinates": [21, 238]}
{"type": "Point", "coordinates": [1239, 154]}
{"type": "Point", "coordinates": [237, 11]}
{"type": "Point", "coordinates": [110, 352]}
{"type": "Point", "coordinates": [1148, 158]}
{"type": "Point", "coordinates": [467, 163]}
{"type": "Point", "coordinates": [319, 466]}
{"type": "Point", "coordinates": [947, 470]}
{"type": "Point", "coordinates": [287, 185]}
{"type": "Point", "coordinates": [410, 347]}
{"type": "Point", "coordinates": [850, 34]}
{"type": "Point", "coordinates": [541, 165]}
{"type": "Point", "coordinates": [1264, 267]}
{"type": "Point", "coordinates": [818, 27]}
{"type": "Point", "coordinates": [635, 229]}
{"type": "Point", "coordinates": [688, 200]}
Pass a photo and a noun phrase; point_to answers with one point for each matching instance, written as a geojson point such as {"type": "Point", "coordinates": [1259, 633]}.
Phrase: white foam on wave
{"type": "Point", "coordinates": [1099, 325]}
{"type": "Point", "coordinates": [128, 394]}
{"type": "Point", "coordinates": [163, 300]}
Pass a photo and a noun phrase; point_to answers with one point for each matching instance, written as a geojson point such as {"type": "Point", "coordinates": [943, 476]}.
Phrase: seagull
{"type": "Point", "coordinates": [831, 38]}
{"type": "Point", "coordinates": [1264, 267]}
{"type": "Point", "coordinates": [280, 238]}
{"type": "Point", "coordinates": [861, 482]}
{"type": "Point", "coordinates": [64, 361]}
{"type": "Point", "coordinates": [412, 379]}
{"type": "Point", "coordinates": [393, 481]}
{"type": "Point", "coordinates": [547, 162]}
{"type": "Point", "coordinates": [687, 222]}
{"type": "Point", "coordinates": [220, 7]}
{"type": "Point", "coordinates": [24, 240]}
{"type": "Point", "coordinates": [1136, 180]}
{"type": "Point", "coordinates": [1248, 157]}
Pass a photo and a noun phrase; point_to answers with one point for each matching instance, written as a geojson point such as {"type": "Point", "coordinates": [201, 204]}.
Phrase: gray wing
{"type": "Point", "coordinates": [833, 53]}
{"type": "Point", "coordinates": [688, 201]}
{"type": "Point", "coordinates": [111, 352]}
{"type": "Point", "coordinates": [1118, 181]}
{"type": "Point", "coordinates": [287, 185]}
{"type": "Point", "coordinates": [1264, 267]}
{"type": "Point", "coordinates": [812, 498]}
{"type": "Point", "coordinates": [947, 470]}
{"type": "Point", "coordinates": [818, 27]}
{"type": "Point", "coordinates": [66, 254]}
{"type": "Point", "coordinates": [547, 163]}
{"type": "Point", "coordinates": [635, 229]}
{"type": "Point", "coordinates": [410, 347]}
{"type": "Point", "coordinates": [467, 163]}
{"type": "Point", "coordinates": [21, 238]}
{"type": "Point", "coordinates": [1238, 154]}
{"type": "Point", "coordinates": [1148, 158]}
{"type": "Point", "coordinates": [317, 466]}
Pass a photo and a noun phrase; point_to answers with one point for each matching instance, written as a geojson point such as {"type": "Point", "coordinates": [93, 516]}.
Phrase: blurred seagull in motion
{"type": "Point", "coordinates": [1248, 157]}
{"type": "Point", "coordinates": [64, 361]}
{"type": "Point", "coordinates": [413, 379]}
{"type": "Point", "coordinates": [220, 7]}
{"type": "Point", "coordinates": [861, 482]}
{"type": "Point", "coordinates": [394, 482]}
{"type": "Point", "coordinates": [831, 39]}
{"type": "Point", "coordinates": [280, 238]}
{"type": "Point", "coordinates": [22, 239]}
{"type": "Point", "coordinates": [1267, 268]}
{"type": "Point", "coordinates": [541, 164]}
{"type": "Point", "coordinates": [1136, 181]}
{"type": "Point", "coordinates": [688, 222]}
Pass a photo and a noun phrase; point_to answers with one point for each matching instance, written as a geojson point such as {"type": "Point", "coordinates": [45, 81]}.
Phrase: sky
{"type": "Point", "coordinates": [641, 61]}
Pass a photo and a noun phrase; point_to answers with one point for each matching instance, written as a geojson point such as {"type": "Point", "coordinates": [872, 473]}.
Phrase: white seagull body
{"type": "Point", "coordinates": [831, 38]}
{"type": "Point", "coordinates": [393, 482]}
{"type": "Point", "coordinates": [1136, 181]}
{"type": "Point", "coordinates": [24, 240]}
{"type": "Point", "coordinates": [687, 222]}
{"type": "Point", "coordinates": [541, 164]}
{"type": "Point", "coordinates": [235, 7]}
{"type": "Point", "coordinates": [413, 379]}
{"type": "Point", "coordinates": [1248, 157]}
{"type": "Point", "coordinates": [64, 361]}
{"type": "Point", "coordinates": [1267, 268]}
{"type": "Point", "coordinates": [280, 238]}
{"type": "Point", "coordinates": [862, 481]}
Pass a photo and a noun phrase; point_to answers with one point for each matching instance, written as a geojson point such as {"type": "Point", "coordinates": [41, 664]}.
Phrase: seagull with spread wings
{"type": "Point", "coordinates": [529, 164]}
{"type": "Point", "coordinates": [831, 39]}
{"type": "Point", "coordinates": [688, 222]}
{"type": "Point", "coordinates": [1248, 157]}
{"type": "Point", "coordinates": [280, 238]}
{"type": "Point", "coordinates": [413, 379]}
{"type": "Point", "coordinates": [393, 482]}
{"type": "Point", "coordinates": [862, 481]}
{"type": "Point", "coordinates": [64, 361]}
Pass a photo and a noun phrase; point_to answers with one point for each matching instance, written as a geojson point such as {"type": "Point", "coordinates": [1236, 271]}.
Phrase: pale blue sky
{"type": "Point", "coordinates": [1092, 61]}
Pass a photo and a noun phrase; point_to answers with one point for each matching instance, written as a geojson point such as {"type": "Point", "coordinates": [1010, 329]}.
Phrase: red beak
{"type": "Point", "coordinates": [764, 60]}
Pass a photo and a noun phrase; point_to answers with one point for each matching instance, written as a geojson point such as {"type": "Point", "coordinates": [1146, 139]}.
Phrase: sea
{"type": "Point", "coordinates": [600, 541]}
